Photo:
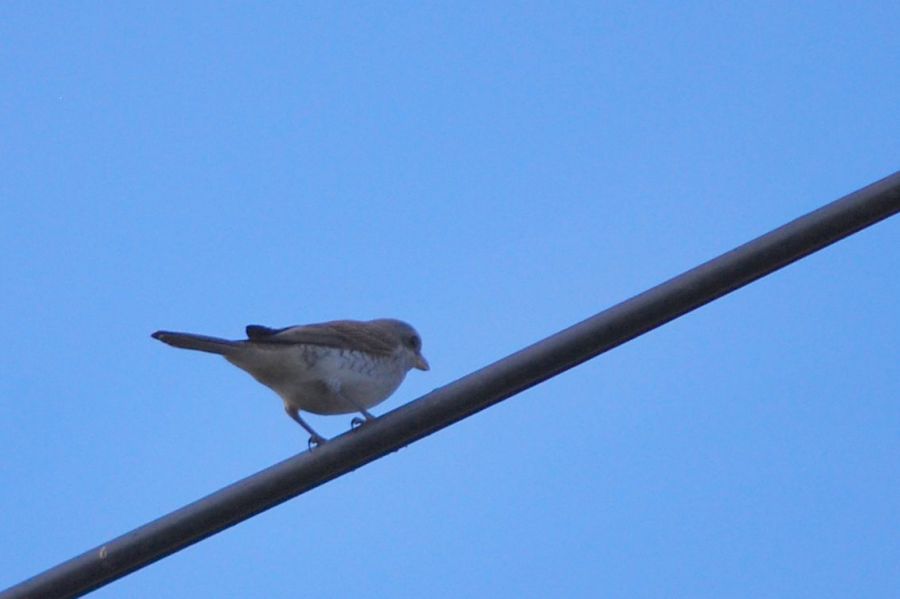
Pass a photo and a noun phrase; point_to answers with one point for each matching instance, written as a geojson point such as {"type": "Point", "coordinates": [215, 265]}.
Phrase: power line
{"type": "Point", "coordinates": [466, 396]}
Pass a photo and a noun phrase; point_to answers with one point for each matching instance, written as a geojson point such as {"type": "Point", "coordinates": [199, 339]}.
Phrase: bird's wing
{"type": "Point", "coordinates": [259, 332]}
{"type": "Point", "coordinates": [360, 336]}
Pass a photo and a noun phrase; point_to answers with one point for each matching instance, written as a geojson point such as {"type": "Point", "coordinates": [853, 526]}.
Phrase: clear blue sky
{"type": "Point", "coordinates": [491, 173]}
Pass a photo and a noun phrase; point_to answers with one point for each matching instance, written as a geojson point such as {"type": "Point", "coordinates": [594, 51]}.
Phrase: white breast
{"type": "Point", "coordinates": [321, 380]}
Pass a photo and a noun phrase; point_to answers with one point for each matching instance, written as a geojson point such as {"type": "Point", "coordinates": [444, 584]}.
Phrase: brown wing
{"type": "Point", "coordinates": [344, 334]}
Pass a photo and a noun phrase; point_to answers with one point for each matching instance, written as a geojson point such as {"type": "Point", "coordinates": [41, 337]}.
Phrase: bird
{"type": "Point", "coordinates": [335, 367]}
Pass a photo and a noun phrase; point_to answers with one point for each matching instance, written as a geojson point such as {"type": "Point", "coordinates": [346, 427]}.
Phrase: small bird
{"type": "Point", "coordinates": [336, 367]}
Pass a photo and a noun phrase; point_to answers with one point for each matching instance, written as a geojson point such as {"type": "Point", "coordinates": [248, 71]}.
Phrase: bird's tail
{"type": "Point", "coordinates": [213, 345]}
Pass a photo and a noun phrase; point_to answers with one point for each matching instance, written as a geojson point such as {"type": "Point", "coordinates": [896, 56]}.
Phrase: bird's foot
{"type": "Point", "coordinates": [315, 441]}
{"type": "Point", "coordinates": [358, 422]}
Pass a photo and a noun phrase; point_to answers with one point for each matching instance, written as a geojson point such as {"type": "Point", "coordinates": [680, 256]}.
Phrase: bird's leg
{"type": "Point", "coordinates": [334, 386]}
{"type": "Point", "coordinates": [358, 422]}
{"type": "Point", "coordinates": [315, 439]}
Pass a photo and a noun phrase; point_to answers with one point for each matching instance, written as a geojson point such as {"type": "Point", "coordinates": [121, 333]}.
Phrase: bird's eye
{"type": "Point", "coordinates": [414, 342]}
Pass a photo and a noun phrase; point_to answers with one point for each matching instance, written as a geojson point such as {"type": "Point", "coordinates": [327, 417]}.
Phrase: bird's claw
{"type": "Point", "coordinates": [315, 441]}
{"type": "Point", "coordinates": [357, 422]}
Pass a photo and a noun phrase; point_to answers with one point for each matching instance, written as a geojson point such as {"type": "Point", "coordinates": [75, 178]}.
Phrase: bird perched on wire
{"type": "Point", "coordinates": [337, 367]}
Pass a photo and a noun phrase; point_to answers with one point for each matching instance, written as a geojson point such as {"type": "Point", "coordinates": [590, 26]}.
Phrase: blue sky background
{"type": "Point", "coordinates": [491, 173]}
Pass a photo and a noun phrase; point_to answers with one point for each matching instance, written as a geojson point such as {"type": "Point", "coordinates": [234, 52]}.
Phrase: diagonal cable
{"type": "Point", "coordinates": [467, 395]}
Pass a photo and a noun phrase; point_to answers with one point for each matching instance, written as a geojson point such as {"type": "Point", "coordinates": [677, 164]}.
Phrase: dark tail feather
{"type": "Point", "coordinates": [213, 345]}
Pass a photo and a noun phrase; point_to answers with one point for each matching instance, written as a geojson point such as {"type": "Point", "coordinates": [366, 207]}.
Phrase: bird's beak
{"type": "Point", "coordinates": [422, 363]}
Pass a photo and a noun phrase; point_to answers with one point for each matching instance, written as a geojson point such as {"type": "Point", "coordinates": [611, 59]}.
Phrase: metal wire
{"type": "Point", "coordinates": [466, 396]}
